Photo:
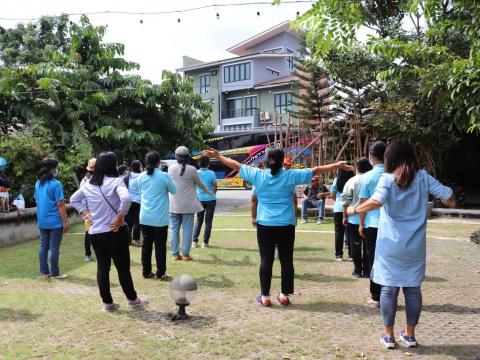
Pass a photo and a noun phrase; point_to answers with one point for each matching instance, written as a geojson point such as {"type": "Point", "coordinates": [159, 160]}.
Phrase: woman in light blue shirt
{"type": "Point", "coordinates": [154, 186]}
{"type": "Point", "coordinates": [275, 215]}
{"type": "Point", "coordinates": [209, 202]}
{"type": "Point", "coordinates": [400, 256]}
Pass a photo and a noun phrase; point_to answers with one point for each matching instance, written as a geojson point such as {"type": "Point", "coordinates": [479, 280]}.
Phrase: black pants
{"type": "Point", "coordinates": [133, 220]}
{"type": "Point", "coordinates": [158, 236]}
{"type": "Point", "coordinates": [371, 241]}
{"type": "Point", "coordinates": [283, 237]}
{"type": "Point", "coordinates": [339, 233]}
{"type": "Point", "coordinates": [359, 253]}
{"type": "Point", "coordinates": [113, 246]}
{"type": "Point", "coordinates": [88, 251]}
{"type": "Point", "coordinates": [207, 214]}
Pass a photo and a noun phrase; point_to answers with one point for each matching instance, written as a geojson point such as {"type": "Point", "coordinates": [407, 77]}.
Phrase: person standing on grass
{"type": "Point", "coordinates": [400, 256]}
{"type": "Point", "coordinates": [314, 197]}
{"type": "Point", "coordinates": [154, 186]}
{"type": "Point", "coordinates": [184, 203]}
{"type": "Point", "coordinates": [108, 203]}
{"type": "Point", "coordinates": [369, 222]}
{"type": "Point", "coordinates": [275, 220]}
{"type": "Point", "coordinates": [86, 178]}
{"type": "Point", "coordinates": [209, 202]}
{"type": "Point", "coordinates": [337, 187]}
{"type": "Point", "coordinates": [350, 197]}
{"type": "Point", "coordinates": [51, 218]}
{"type": "Point", "coordinates": [134, 212]}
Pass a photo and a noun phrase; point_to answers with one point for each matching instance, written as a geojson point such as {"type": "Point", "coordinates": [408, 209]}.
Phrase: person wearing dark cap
{"type": "Point", "coordinates": [369, 221]}
{"type": "Point", "coordinates": [184, 203]}
{"type": "Point", "coordinates": [350, 198]}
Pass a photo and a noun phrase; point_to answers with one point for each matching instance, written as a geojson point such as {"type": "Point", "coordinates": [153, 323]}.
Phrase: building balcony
{"type": "Point", "coordinates": [240, 119]}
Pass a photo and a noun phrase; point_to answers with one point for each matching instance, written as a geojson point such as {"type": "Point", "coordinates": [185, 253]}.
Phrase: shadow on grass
{"type": "Point", "coordinates": [90, 282]}
{"type": "Point", "coordinates": [255, 250]}
{"type": "Point", "coordinates": [455, 351]}
{"type": "Point", "coordinates": [312, 259]}
{"type": "Point", "coordinates": [154, 316]}
{"type": "Point", "coordinates": [435, 279]}
{"type": "Point", "coordinates": [216, 260]}
{"type": "Point", "coordinates": [11, 315]}
{"type": "Point", "coordinates": [450, 308]}
{"type": "Point", "coordinates": [215, 281]}
{"type": "Point", "coordinates": [321, 278]}
{"type": "Point", "coordinates": [335, 307]}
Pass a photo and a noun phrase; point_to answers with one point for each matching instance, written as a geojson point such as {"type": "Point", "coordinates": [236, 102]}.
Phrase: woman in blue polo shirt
{"type": "Point", "coordinates": [51, 216]}
{"type": "Point", "coordinates": [400, 256]}
{"type": "Point", "coordinates": [209, 202]}
{"type": "Point", "coordinates": [154, 186]}
{"type": "Point", "coordinates": [275, 215]}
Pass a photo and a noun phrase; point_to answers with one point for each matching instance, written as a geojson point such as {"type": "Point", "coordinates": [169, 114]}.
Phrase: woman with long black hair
{"type": "Point", "coordinates": [51, 218]}
{"type": "Point", "coordinates": [275, 219]}
{"type": "Point", "coordinates": [154, 186]}
{"type": "Point", "coordinates": [108, 203]}
{"type": "Point", "coordinates": [400, 256]}
{"type": "Point", "coordinates": [337, 187]}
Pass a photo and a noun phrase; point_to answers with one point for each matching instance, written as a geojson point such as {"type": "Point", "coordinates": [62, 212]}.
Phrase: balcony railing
{"type": "Point", "coordinates": [237, 113]}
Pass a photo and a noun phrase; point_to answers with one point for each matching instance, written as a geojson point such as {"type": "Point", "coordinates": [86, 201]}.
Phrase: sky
{"type": "Point", "coordinates": [160, 42]}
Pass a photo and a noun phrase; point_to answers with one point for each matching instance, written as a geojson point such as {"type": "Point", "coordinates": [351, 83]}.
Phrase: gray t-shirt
{"type": "Point", "coordinates": [185, 201]}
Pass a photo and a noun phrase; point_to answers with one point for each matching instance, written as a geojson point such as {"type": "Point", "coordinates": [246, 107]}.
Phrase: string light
{"type": "Point", "coordinates": [164, 12]}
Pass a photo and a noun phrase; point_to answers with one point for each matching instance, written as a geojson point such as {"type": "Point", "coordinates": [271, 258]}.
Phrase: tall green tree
{"type": "Point", "coordinates": [81, 89]}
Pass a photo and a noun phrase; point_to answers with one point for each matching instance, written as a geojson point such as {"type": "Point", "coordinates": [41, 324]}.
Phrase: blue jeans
{"type": "Point", "coordinates": [50, 240]}
{"type": "Point", "coordinates": [186, 222]}
{"type": "Point", "coordinates": [388, 304]}
{"type": "Point", "coordinates": [308, 204]}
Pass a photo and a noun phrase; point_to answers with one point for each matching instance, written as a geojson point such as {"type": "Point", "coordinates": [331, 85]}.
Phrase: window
{"type": "Point", "coordinates": [273, 71]}
{"type": "Point", "coordinates": [250, 105]}
{"type": "Point", "coordinates": [282, 102]}
{"type": "Point", "coordinates": [290, 60]}
{"type": "Point", "coordinates": [237, 127]}
{"type": "Point", "coordinates": [204, 84]}
{"type": "Point", "coordinates": [234, 108]}
{"type": "Point", "coordinates": [236, 72]}
{"type": "Point", "coordinates": [273, 51]}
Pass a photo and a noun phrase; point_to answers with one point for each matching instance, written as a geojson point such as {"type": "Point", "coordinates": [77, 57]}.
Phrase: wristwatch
{"type": "Point", "coordinates": [254, 221]}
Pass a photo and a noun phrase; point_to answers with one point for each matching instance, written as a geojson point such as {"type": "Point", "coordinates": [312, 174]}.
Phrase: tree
{"type": "Point", "coordinates": [441, 53]}
{"type": "Point", "coordinates": [312, 91]}
{"type": "Point", "coordinates": [80, 88]}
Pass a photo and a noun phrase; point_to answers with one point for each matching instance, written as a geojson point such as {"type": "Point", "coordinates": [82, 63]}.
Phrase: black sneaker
{"type": "Point", "coordinates": [357, 275]}
{"type": "Point", "coordinates": [339, 258]}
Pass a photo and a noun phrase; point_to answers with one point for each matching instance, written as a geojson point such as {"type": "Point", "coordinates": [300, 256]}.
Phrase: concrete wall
{"type": "Point", "coordinates": [15, 229]}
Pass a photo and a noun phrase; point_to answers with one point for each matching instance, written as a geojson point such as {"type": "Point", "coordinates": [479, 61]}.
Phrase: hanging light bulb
{"type": "Point", "coordinates": [218, 16]}
{"type": "Point", "coordinates": [178, 20]}
{"type": "Point", "coordinates": [258, 13]}
{"type": "Point", "coordinates": [141, 21]}
{"type": "Point", "coordinates": [298, 13]}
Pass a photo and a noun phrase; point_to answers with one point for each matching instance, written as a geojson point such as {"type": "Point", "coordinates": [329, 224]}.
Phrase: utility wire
{"type": "Point", "coordinates": [166, 12]}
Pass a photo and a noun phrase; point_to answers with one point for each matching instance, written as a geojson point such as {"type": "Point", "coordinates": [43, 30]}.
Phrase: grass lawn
{"type": "Point", "coordinates": [62, 319]}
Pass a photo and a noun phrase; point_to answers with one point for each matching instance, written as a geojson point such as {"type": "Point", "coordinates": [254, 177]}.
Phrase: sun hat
{"type": "Point", "coordinates": [91, 164]}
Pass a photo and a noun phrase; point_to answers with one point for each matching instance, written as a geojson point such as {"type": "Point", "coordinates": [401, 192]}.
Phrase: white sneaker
{"type": "Point", "coordinates": [195, 245]}
{"type": "Point", "coordinates": [139, 302]}
{"type": "Point", "coordinates": [59, 277]}
{"type": "Point", "coordinates": [304, 221]}
{"type": "Point", "coordinates": [388, 341]}
{"type": "Point", "coordinates": [319, 221]}
{"type": "Point", "coordinates": [205, 245]}
{"type": "Point", "coordinates": [410, 341]}
{"type": "Point", "coordinates": [373, 303]}
{"type": "Point", "coordinates": [88, 258]}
